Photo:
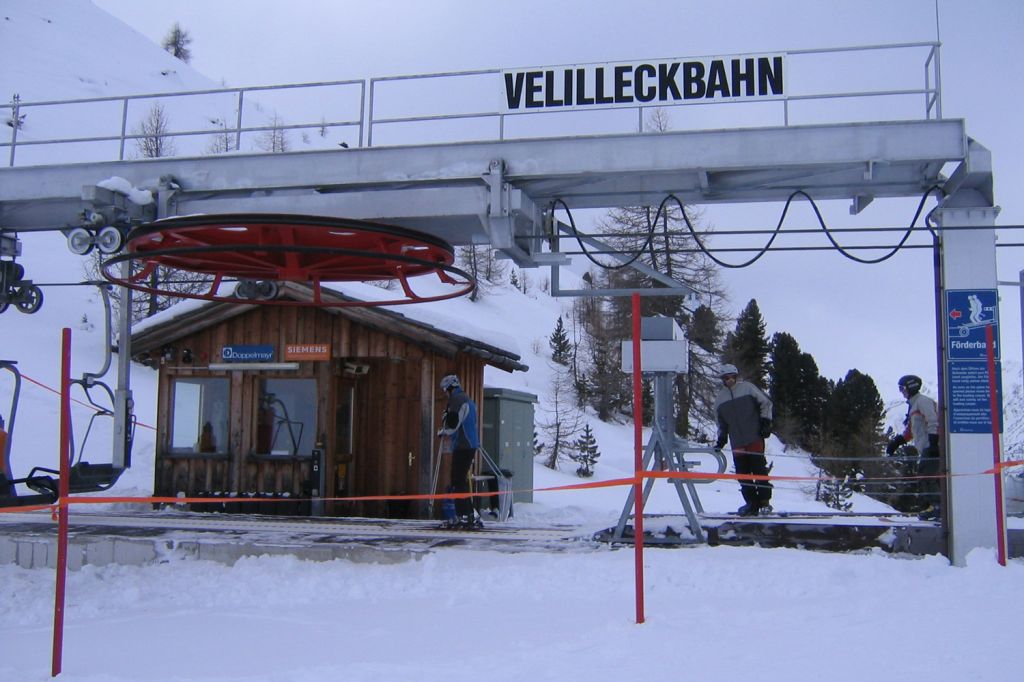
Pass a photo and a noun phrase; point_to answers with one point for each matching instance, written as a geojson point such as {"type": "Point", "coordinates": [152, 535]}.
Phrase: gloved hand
{"type": "Point", "coordinates": [894, 444]}
{"type": "Point", "coordinates": [933, 446]}
{"type": "Point", "coordinates": [766, 427]}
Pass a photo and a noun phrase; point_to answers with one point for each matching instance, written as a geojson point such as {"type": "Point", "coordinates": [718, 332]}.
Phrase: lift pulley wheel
{"type": "Point", "coordinates": [270, 248]}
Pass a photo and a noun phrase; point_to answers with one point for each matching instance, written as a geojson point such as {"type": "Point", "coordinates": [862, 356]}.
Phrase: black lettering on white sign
{"type": "Point", "coordinates": [671, 82]}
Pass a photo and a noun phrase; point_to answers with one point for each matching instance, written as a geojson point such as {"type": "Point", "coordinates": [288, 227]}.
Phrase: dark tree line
{"type": "Point", "coordinates": [839, 421]}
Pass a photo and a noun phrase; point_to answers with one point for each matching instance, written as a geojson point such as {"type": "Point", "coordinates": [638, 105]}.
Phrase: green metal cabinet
{"type": "Point", "coordinates": [508, 436]}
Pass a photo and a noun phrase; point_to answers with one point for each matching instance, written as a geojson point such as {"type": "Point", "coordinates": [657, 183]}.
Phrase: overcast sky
{"type": "Point", "coordinates": [875, 318]}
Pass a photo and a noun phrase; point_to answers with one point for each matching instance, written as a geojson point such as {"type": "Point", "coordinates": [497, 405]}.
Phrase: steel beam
{"type": "Point", "coordinates": [760, 164]}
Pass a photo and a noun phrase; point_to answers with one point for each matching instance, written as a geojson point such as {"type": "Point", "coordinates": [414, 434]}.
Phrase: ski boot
{"type": "Point", "coordinates": [764, 510]}
{"type": "Point", "coordinates": [469, 522]}
{"type": "Point", "coordinates": [749, 509]}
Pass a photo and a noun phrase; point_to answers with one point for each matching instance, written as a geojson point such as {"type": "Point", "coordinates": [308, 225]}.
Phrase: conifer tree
{"type": "Point", "coordinates": [561, 347]}
{"type": "Point", "coordinates": [798, 392]}
{"type": "Point", "coordinates": [586, 453]}
{"type": "Point", "coordinates": [662, 243]}
{"type": "Point", "coordinates": [852, 423]}
{"type": "Point", "coordinates": [747, 346]}
{"type": "Point", "coordinates": [835, 493]}
{"type": "Point", "coordinates": [562, 422]}
{"type": "Point", "coordinates": [697, 389]}
{"type": "Point", "coordinates": [606, 384]}
{"type": "Point", "coordinates": [177, 41]}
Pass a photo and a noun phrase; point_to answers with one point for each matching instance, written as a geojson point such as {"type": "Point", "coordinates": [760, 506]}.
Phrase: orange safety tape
{"type": "Point", "coordinates": [1005, 465]}
{"type": "Point", "coordinates": [74, 400]}
{"type": "Point", "coordinates": [246, 499]}
{"type": "Point", "coordinates": [26, 508]}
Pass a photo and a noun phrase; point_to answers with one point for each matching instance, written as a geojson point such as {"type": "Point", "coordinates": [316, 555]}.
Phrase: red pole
{"type": "Point", "coordinates": [638, 463]}
{"type": "Point", "coordinates": [62, 502]}
{"type": "Point", "coordinates": [998, 475]}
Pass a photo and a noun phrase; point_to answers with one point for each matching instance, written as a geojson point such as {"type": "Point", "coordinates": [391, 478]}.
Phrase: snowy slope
{"type": "Point", "coordinates": [49, 50]}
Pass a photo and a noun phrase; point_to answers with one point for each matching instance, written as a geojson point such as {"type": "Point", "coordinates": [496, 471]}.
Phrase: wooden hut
{"type": "Point", "coordinates": [305, 403]}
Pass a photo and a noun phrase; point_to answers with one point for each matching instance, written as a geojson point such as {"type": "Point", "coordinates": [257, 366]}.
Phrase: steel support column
{"type": "Point", "coordinates": [968, 262]}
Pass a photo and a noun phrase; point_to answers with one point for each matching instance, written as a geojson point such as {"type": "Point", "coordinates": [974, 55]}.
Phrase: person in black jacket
{"type": "Point", "coordinates": [744, 415]}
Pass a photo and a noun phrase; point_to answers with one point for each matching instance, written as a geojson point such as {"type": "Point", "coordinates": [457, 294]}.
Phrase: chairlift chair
{"type": "Point", "coordinates": [83, 476]}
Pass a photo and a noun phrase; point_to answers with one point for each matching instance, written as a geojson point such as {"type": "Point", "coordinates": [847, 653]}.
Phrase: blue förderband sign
{"type": "Point", "coordinates": [969, 400]}
{"type": "Point", "coordinates": [969, 314]}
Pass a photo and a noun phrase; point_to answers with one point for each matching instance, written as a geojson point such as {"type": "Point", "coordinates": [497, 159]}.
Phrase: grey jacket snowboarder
{"type": "Point", "coordinates": [744, 416]}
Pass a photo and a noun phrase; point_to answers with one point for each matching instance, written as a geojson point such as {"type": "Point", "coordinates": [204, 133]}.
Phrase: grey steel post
{"type": "Point", "coordinates": [238, 122]}
{"type": "Point", "coordinates": [15, 112]}
{"type": "Point", "coordinates": [124, 128]}
{"type": "Point", "coordinates": [968, 264]}
{"type": "Point", "coordinates": [123, 403]}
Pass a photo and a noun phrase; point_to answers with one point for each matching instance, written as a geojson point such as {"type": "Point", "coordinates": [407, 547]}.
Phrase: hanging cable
{"type": "Point", "coordinates": [899, 245]}
{"type": "Point", "coordinates": [576, 234]}
{"type": "Point", "coordinates": [821, 222]}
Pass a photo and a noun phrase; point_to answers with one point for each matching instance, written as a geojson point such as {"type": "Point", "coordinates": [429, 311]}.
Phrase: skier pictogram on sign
{"type": "Point", "coordinates": [968, 312]}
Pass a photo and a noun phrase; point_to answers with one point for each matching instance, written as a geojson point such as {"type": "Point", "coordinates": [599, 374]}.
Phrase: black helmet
{"type": "Point", "coordinates": [910, 382]}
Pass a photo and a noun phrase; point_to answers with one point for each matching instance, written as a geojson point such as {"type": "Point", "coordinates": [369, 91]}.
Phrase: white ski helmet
{"type": "Point", "coordinates": [727, 369]}
{"type": "Point", "coordinates": [449, 382]}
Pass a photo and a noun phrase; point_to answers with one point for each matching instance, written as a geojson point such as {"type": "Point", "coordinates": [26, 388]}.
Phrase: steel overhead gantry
{"type": "Point", "coordinates": [497, 192]}
{"type": "Point", "coordinates": [500, 193]}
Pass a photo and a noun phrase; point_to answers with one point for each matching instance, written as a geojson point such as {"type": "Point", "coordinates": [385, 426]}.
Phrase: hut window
{"type": "Point", "coordinates": [199, 415]}
{"type": "Point", "coordinates": [286, 417]}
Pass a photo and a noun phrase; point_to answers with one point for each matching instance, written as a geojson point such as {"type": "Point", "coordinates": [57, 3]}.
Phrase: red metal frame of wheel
{"type": "Point", "coordinates": [281, 247]}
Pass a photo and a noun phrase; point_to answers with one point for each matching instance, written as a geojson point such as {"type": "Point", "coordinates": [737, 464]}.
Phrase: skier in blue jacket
{"type": "Point", "coordinates": [459, 422]}
{"type": "Point", "coordinates": [745, 419]}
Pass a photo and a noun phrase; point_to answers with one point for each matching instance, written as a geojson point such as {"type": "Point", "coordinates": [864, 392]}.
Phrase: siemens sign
{"type": "Point", "coordinates": [250, 353]}
{"type": "Point", "coordinates": [655, 82]}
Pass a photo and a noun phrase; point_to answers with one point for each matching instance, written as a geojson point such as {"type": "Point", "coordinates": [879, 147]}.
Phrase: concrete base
{"type": "Point", "coordinates": [30, 539]}
{"type": "Point", "coordinates": [821, 532]}
{"type": "Point", "coordinates": [37, 548]}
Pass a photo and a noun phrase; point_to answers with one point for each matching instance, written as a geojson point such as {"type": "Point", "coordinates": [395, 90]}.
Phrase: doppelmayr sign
{"type": "Point", "coordinates": [650, 82]}
{"type": "Point", "coordinates": [247, 353]}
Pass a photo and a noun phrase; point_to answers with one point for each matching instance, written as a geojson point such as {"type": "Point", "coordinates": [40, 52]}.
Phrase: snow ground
{"type": "Point", "coordinates": [713, 614]}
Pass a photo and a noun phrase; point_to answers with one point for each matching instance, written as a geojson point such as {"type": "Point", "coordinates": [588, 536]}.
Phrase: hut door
{"type": "Point", "coordinates": [344, 436]}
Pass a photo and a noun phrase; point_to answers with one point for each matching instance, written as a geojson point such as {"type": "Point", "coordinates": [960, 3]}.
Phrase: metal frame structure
{"type": "Point", "coordinates": [664, 354]}
{"type": "Point", "coordinates": [665, 451]}
{"type": "Point", "coordinates": [369, 97]}
{"type": "Point", "coordinates": [503, 192]}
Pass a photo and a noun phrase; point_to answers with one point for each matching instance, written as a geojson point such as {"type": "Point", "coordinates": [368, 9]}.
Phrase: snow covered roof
{"type": "Point", "coordinates": [196, 316]}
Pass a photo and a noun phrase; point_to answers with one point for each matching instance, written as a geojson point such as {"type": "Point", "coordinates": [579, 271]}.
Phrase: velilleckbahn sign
{"type": "Point", "coordinates": [652, 82]}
